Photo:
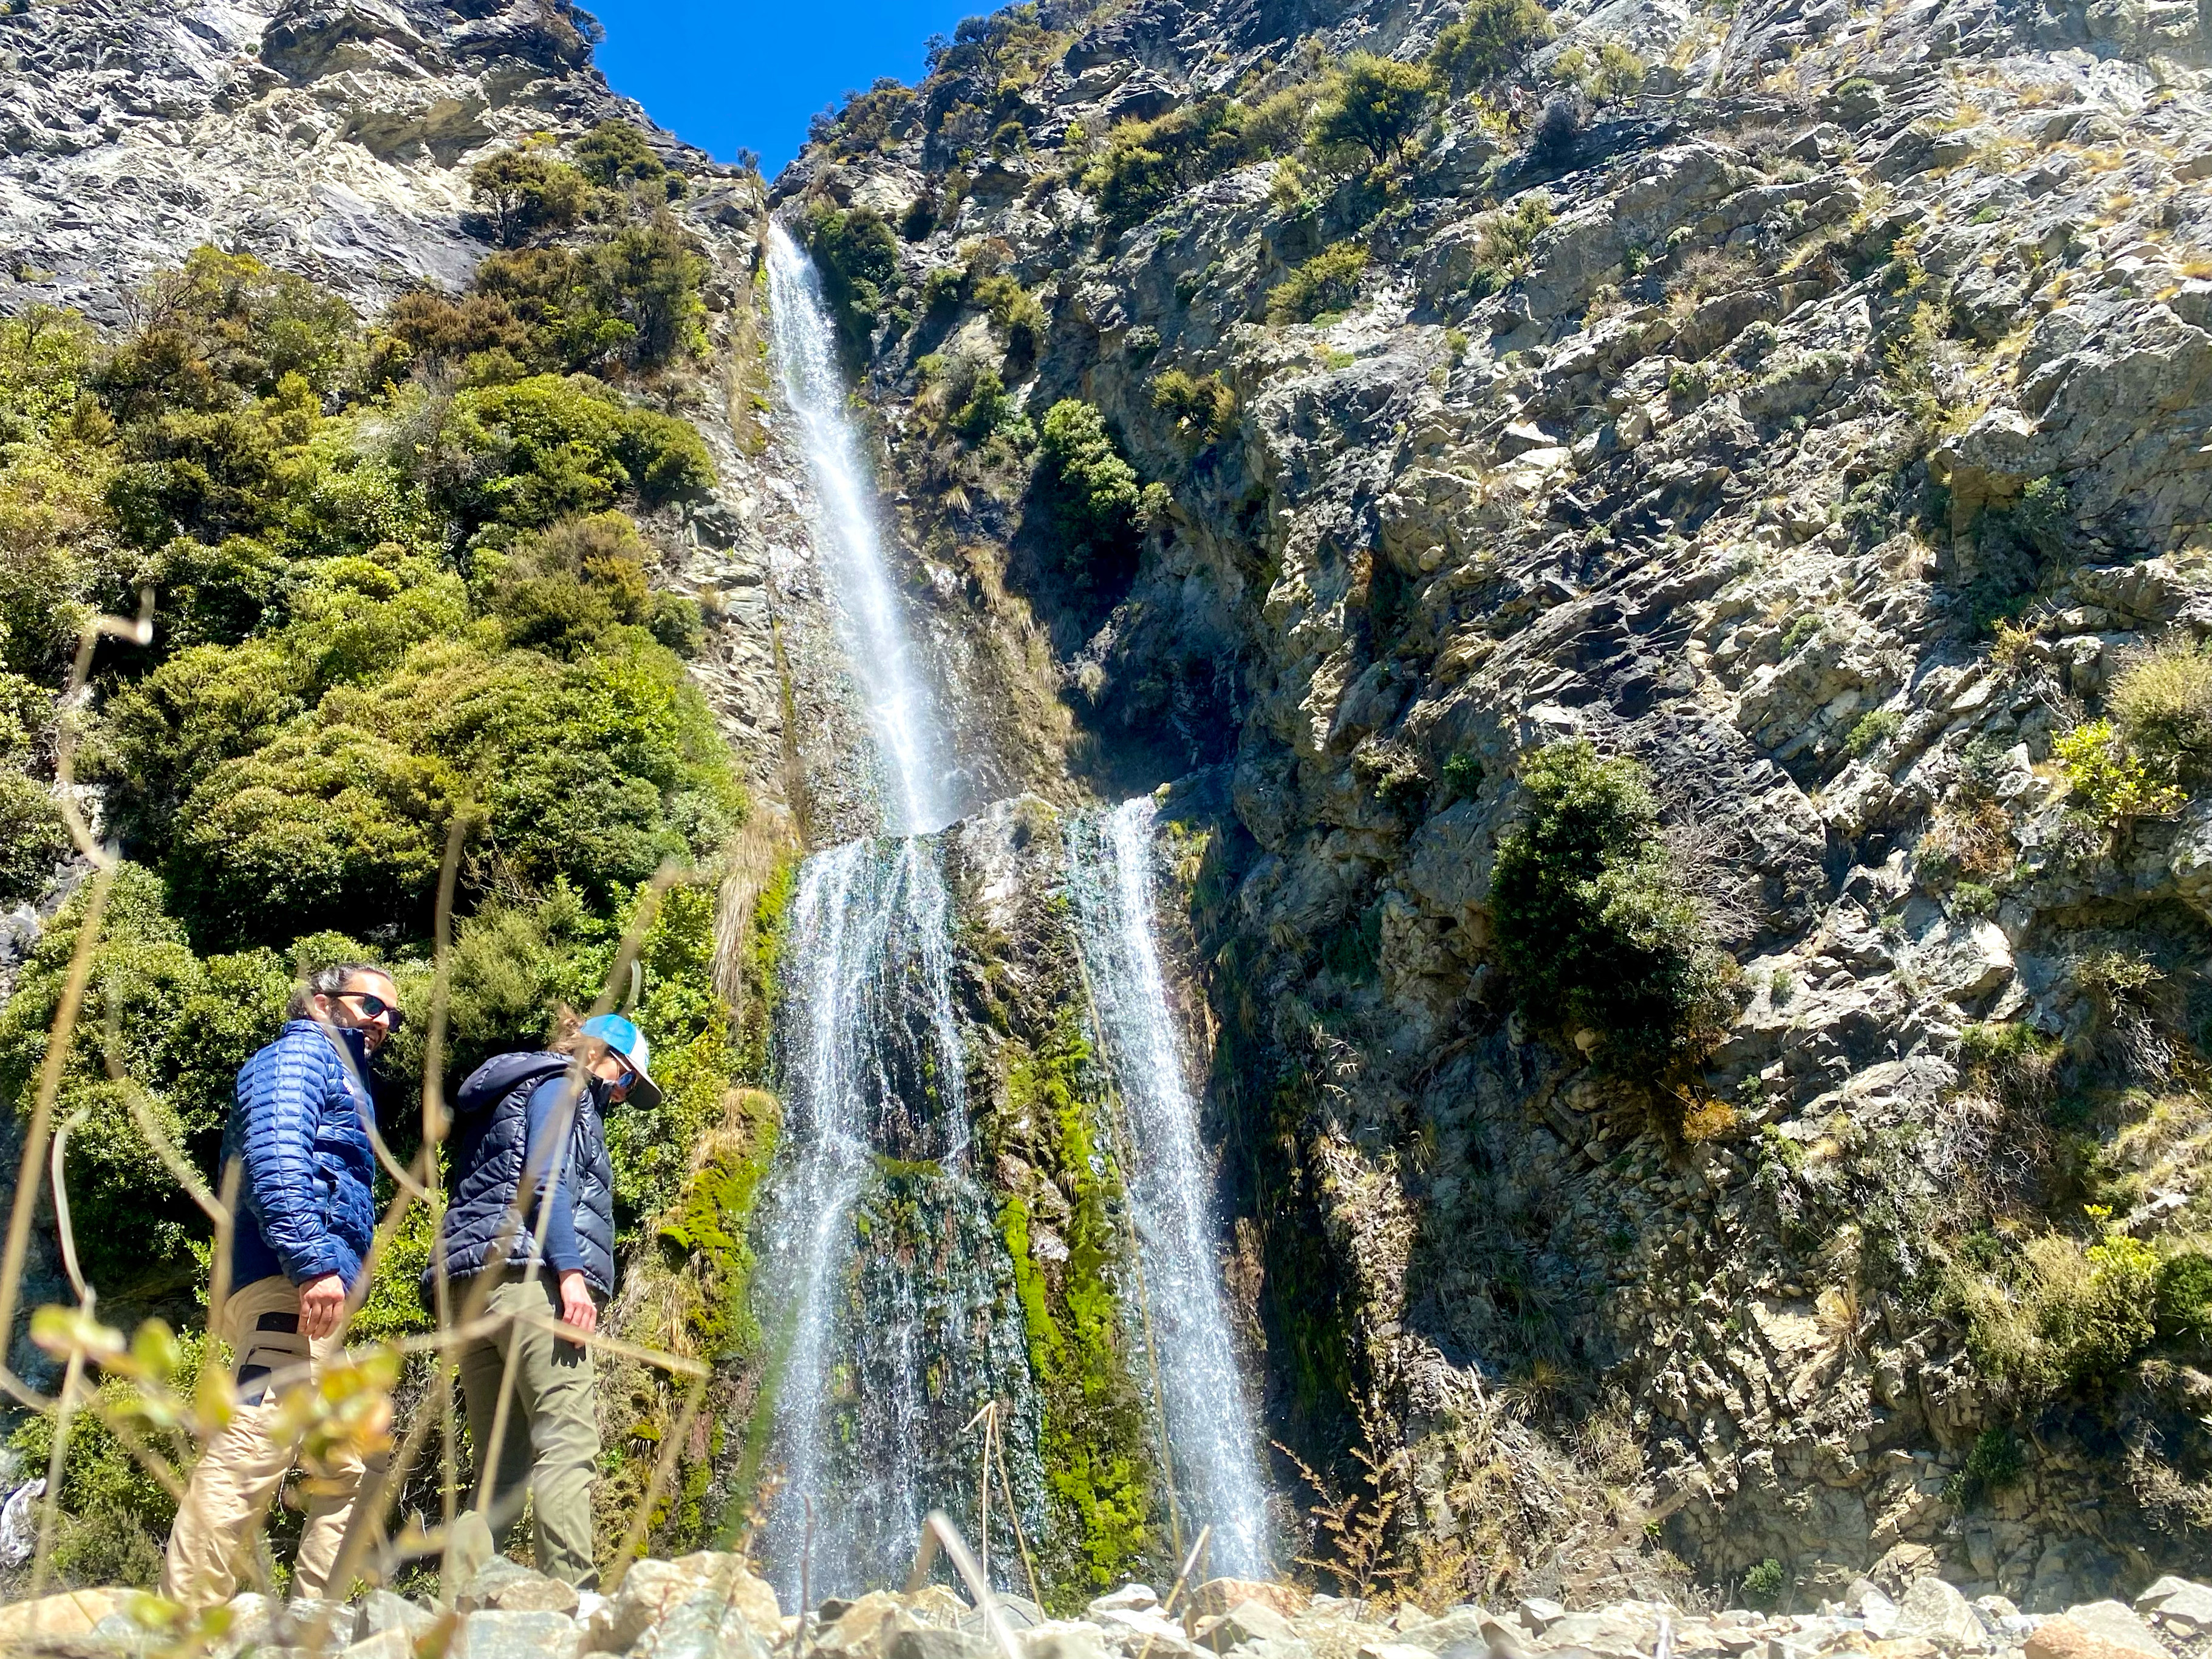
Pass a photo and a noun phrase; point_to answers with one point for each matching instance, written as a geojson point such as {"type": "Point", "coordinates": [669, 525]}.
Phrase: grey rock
{"type": "Point", "coordinates": [2115, 1622]}
{"type": "Point", "coordinates": [509, 1587]}
{"type": "Point", "coordinates": [381, 1611]}
{"type": "Point", "coordinates": [496, 1635]}
{"type": "Point", "coordinates": [2182, 1606]}
{"type": "Point", "coordinates": [1936, 1612]}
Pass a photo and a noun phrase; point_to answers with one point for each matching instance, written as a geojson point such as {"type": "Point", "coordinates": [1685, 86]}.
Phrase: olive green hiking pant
{"type": "Point", "coordinates": [551, 1445]}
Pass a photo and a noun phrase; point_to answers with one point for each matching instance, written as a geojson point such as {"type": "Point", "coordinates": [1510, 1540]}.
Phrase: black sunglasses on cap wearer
{"type": "Point", "coordinates": [372, 1006]}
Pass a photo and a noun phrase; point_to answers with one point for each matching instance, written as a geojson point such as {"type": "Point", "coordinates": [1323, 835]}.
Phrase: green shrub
{"type": "Point", "coordinates": [1203, 409]}
{"type": "Point", "coordinates": [1995, 1463]}
{"type": "Point", "coordinates": [1462, 777]}
{"type": "Point", "coordinates": [1763, 1584]}
{"type": "Point", "coordinates": [550, 447]}
{"type": "Point", "coordinates": [943, 290]}
{"type": "Point", "coordinates": [2051, 1316]}
{"type": "Point", "coordinates": [615, 154]}
{"type": "Point", "coordinates": [2114, 784]}
{"type": "Point", "coordinates": [222, 328]}
{"type": "Point", "coordinates": [524, 193]}
{"type": "Point", "coordinates": [1144, 163]}
{"type": "Point", "coordinates": [1875, 728]}
{"type": "Point", "coordinates": [1505, 239]}
{"type": "Point", "coordinates": [1015, 309]}
{"type": "Point", "coordinates": [33, 837]}
{"type": "Point", "coordinates": [1328, 282]}
{"type": "Point", "coordinates": [1088, 497]}
{"type": "Point", "coordinates": [2184, 1298]}
{"type": "Point", "coordinates": [2162, 704]}
{"type": "Point", "coordinates": [1377, 103]}
{"type": "Point", "coordinates": [318, 830]}
{"type": "Point", "coordinates": [1489, 40]}
{"type": "Point", "coordinates": [216, 595]}
{"type": "Point", "coordinates": [1592, 923]}
{"type": "Point", "coordinates": [857, 254]}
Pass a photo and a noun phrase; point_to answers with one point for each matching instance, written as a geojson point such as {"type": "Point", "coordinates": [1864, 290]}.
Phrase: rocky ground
{"type": "Point", "coordinates": [710, 1606]}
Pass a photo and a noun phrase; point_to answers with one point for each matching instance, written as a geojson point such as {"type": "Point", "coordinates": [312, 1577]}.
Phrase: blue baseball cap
{"type": "Point", "coordinates": [626, 1040]}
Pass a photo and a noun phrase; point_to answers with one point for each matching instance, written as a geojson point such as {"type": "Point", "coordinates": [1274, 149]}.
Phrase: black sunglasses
{"type": "Point", "coordinates": [372, 1005]}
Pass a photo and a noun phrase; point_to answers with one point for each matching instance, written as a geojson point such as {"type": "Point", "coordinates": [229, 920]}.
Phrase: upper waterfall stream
{"type": "Point", "coordinates": [886, 1282]}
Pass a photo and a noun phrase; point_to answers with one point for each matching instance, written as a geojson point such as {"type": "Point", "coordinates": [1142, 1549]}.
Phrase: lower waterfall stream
{"type": "Point", "coordinates": [1211, 1442]}
{"type": "Point", "coordinates": [885, 1286]}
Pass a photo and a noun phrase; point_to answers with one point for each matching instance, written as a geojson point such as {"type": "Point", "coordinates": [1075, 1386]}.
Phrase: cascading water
{"type": "Point", "coordinates": [914, 777]}
{"type": "Point", "coordinates": [1210, 1427]}
{"type": "Point", "coordinates": [883, 1262]}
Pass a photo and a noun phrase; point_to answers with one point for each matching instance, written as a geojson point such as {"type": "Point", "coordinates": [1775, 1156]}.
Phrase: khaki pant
{"type": "Point", "coordinates": [219, 1524]}
{"type": "Point", "coordinates": [551, 1445]}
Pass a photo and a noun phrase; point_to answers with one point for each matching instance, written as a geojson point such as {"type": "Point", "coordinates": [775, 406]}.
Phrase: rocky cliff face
{"type": "Point", "coordinates": [1822, 424]}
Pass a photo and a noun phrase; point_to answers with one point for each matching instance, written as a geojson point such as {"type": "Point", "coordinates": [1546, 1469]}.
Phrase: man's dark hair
{"type": "Point", "coordinates": [327, 982]}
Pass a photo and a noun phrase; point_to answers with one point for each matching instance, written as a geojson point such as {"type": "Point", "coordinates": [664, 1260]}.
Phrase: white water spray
{"type": "Point", "coordinates": [1209, 1424]}
{"type": "Point", "coordinates": [914, 776]}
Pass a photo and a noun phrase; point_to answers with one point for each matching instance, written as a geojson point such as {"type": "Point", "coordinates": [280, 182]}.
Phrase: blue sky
{"type": "Point", "coordinates": [731, 74]}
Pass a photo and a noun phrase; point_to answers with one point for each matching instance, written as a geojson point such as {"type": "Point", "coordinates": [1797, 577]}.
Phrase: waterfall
{"type": "Point", "coordinates": [884, 1266]}
{"type": "Point", "coordinates": [914, 777]}
{"type": "Point", "coordinates": [1210, 1426]}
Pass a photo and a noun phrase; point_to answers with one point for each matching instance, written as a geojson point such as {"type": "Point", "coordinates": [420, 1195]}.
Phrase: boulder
{"type": "Point", "coordinates": [71, 1613]}
{"type": "Point", "coordinates": [2096, 1630]}
{"type": "Point", "coordinates": [385, 1644]}
{"type": "Point", "coordinates": [1933, 1611]}
{"type": "Point", "coordinates": [1062, 1638]}
{"type": "Point", "coordinates": [653, 1589]}
{"type": "Point", "coordinates": [2181, 1605]}
{"type": "Point", "coordinates": [932, 1642]}
{"type": "Point", "coordinates": [538, 1635]}
{"type": "Point", "coordinates": [1248, 1621]}
{"type": "Point", "coordinates": [1130, 1598]}
{"type": "Point", "coordinates": [1539, 1614]}
{"type": "Point", "coordinates": [1218, 1595]}
{"type": "Point", "coordinates": [506, 1586]}
{"type": "Point", "coordinates": [381, 1611]}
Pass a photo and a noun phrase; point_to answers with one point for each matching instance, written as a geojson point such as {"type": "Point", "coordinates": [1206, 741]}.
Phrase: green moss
{"type": "Point", "coordinates": [1098, 1467]}
{"type": "Point", "coordinates": [708, 1223]}
{"type": "Point", "coordinates": [764, 966]}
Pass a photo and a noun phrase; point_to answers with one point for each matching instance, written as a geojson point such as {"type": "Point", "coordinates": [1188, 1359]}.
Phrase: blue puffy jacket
{"type": "Point", "coordinates": [307, 1195]}
{"type": "Point", "coordinates": [491, 1121]}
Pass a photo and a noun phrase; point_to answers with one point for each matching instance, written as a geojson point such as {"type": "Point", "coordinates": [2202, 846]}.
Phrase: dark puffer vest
{"type": "Point", "coordinates": [492, 1117]}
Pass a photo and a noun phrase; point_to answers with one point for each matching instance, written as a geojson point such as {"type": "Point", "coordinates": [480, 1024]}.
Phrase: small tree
{"type": "Point", "coordinates": [1378, 104]}
{"type": "Point", "coordinates": [1594, 923]}
{"type": "Point", "coordinates": [523, 193]}
{"type": "Point", "coordinates": [1489, 40]}
{"type": "Point", "coordinates": [1090, 495]}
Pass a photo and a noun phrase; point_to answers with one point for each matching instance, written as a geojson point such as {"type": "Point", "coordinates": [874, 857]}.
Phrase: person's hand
{"type": "Point", "coordinates": [577, 1308]}
{"type": "Point", "coordinates": [322, 1306]}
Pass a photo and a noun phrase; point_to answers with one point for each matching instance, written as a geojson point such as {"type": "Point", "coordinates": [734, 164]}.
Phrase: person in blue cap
{"type": "Point", "coordinates": [527, 1254]}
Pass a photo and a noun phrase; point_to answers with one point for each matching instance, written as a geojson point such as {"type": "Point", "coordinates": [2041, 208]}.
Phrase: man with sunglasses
{"type": "Point", "coordinates": [528, 1254]}
{"type": "Point", "coordinates": [299, 1130]}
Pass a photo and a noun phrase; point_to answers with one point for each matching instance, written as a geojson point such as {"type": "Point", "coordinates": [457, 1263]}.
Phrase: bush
{"type": "Point", "coordinates": [1203, 409]}
{"type": "Point", "coordinates": [1594, 925]}
{"type": "Point", "coordinates": [1763, 1584]}
{"type": "Point", "coordinates": [549, 447]}
{"type": "Point", "coordinates": [1506, 239]}
{"type": "Point", "coordinates": [33, 836]}
{"type": "Point", "coordinates": [1489, 40]}
{"type": "Point", "coordinates": [1015, 309]}
{"type": "Point", "coordinates": [1328, 282]}
{"type": "Point", "coordinates": [523, 192]}
{"type": "Point", "coordinates": [858, 257]}
{"type": "Point", "coordinates": [2162, 704]}
{"type": "Point", "coordinates": [222, 328]}
{"type": "Point", "coordinates": [2184, 1298]}
{"type": "Point", "coordinates": [2114, 784]}
{"type": "Point", "coordinates": [1378, 104]}
{"type": "Point", "coordinates": [2051, 1316]}
{"type": "Point", "coordinates": [1875, 728]}
{"type": "Point", "coordinates": [1145, 163]}
{"type": "Point", "coordinates": [614, 155]}
{"type": "Point", "coordinates": [1089, 498]}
